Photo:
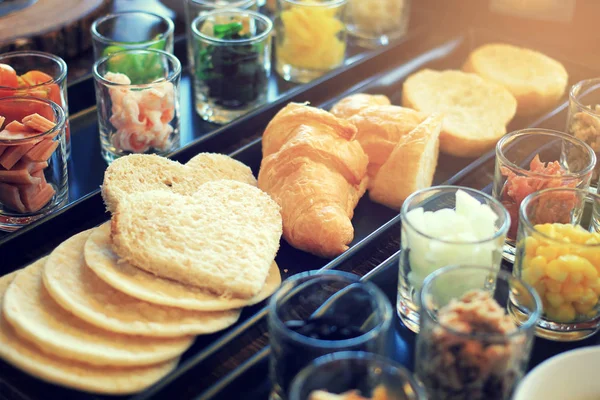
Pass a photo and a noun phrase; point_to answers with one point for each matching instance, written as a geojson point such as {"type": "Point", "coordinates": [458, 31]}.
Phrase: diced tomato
{"type": "Point", "coordinates": [8, 76]}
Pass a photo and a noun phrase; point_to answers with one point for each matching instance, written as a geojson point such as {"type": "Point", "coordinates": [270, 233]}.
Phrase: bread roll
{"type": "Point", "coordinates": [475, 111]}
{"type": "Point", "coordinates": [536, 80]}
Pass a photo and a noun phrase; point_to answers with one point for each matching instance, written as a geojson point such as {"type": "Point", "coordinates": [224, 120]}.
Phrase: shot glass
{"type": "Point", "coordinates": [196, 8]}
{"type": "Point", "coordinates": [137, 113]}
{"type": "Point", "coordinates": [377, 23]}
{"type": "Point", "coordinates": [446, 225]}
{"type": "Point", "coordinates": [40, 75]}
{"type": "Point", "coordinates": [583, 120]}
{"type": "Point", "coordinates": [33, 160]}
{"type": "Point", "coordinates": [558, 253]}
{"type": "Point", "coordinates": [471, 345]}
{"type": "Point", "coordinates": [363, 373]}
{"type": "Point", "coordinates": [534, 159]}
{"type": "Point", "coordinates": [131, 30]}
{"type": "Point", "coordinates": [317, 313]}
{"type": "Point", "coordinates": [232, 50]}
{"type": "Point", "coordinates": [310, 38]}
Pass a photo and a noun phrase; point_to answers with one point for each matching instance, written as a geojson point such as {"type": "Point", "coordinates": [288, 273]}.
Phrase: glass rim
{"type": "Point", "coordinates": [58, 60]}
{"type": "Point", "coordinates": [549, 132]}
{"type": "Point", "coordinates": [574, 99]}
{"type": "Point", "coordinates": [380, 299]}
{"type": "Point", "coordinates": [530, 323]}
{"type": "Point", "coordinates": [322, 3]}
{"type": "Point", "coordinates": [502, 230]}
{"type": "Point", "coordinates": [302, 376]}
{"type": "Point", "coordinates": [523, 218]}
{"type": "Point", "coordinates": [106, 40]}
{"type": "Point", "coordinates": [231, 11]}
{"type": "Point", "coordinates": [59, 124]}
{"type": "Point", "coordinates": [174, 60]}
{"type": "Point", "coordinates": [235, 3]}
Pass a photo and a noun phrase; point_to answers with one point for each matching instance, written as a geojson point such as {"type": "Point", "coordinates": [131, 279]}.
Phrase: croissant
{"type": "Point", "coordinates": [316, 171]}
{"type": "Point", "coordinates": [355, 103]}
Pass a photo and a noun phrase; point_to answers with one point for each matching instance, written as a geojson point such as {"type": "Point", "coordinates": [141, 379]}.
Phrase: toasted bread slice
{"type": "Point", "coordinates": [411, 165]}
{"type": "Point", "coordinates": [355, 103]}
{"type": "Point", "coordinates": [536, 80]}
{"type": "Point", "coordinates": [475, 111]}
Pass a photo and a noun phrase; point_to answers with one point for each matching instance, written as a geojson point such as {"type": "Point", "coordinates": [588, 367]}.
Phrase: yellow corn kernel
{"type": "Point", "coordinates": [576, 233]}
{"type": "Point", "coordinates": [594, 285]}
{"type": "Point", "coordinates": [584, 309]}
{"type": "Point", "coordinates": [565, 313]}
{"type": "Point", "coordinates": [556, 270]}
{"type": "Point", "coordinates": [572, 291]}
{"type": "Point", "coordinates": [548, 252]}
{"type": "Point", "coordinates": [538, 262]}
{"type": "Point", "coordinates": [588, 297]}
{"type": "Point", "coordinates": [553, 286]}
{"type": "Point", "coordinates": [591, 254]}
{"type": "Point", "coordinates": [531, 245]}
{"type": "Point", "coordinates": [540, 288]}
{"type": "Point", "coordinates": [546, 229]}
{"type": "Point", "coordinates": [533, 274]}
{"type": "Point", "coordinates": [555, 299]}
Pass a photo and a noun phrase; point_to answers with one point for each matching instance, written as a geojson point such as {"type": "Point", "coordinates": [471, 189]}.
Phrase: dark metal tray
{"type": "Point", "coordinates": [377, 227]}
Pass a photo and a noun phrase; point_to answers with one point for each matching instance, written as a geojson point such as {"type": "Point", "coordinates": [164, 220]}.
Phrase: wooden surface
{"type": "Point", "coordinates": [61, 27]}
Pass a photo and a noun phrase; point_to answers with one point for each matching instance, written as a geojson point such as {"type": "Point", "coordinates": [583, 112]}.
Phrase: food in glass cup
{"type": "Point", "coordinates": [138, 117]}
{"type": "Point", "coordinates": [36, 74]}
{"type": "Point", "coordinates": [561, 260]}
{"type": "Point", "coordinates": [196, 8]}
{"type": "Point", "coordinates": [310, 39]}
{"type": "Point", "coordinates": [317, 313]}
{"type": "Point", "coordinates": [232, 50]}
{"type": "Point", "coordinates": [583, 120]}
{"type": "Point", "coordinates": [377, 23]}
{"type": "Point", "coordinates": [355, 375]}
{"type": "Point", "coordinates": [445, 225]}
{"type": "Point", "coordinates": [470, 345]}
{"type": "Point", "coordinates": [530, 160]}
{"type": "Point", "coordinates": [131, 30]}
{"type": "Point", "coordinates": [33, 170]}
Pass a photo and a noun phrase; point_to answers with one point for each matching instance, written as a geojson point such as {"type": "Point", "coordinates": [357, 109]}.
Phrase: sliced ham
{"type": "Point", "coordinates": [21, 173]}
{"type": "Point", "coordinates": [13, 154]}
{"type": "Point", "coordinates": [36, 200]}
{"type": "Point", "coordinates": [42, 151]}
{"type": "Point", "coordinates": [10, 197]}
{"type": "Point", "coordinates": [2, 148]}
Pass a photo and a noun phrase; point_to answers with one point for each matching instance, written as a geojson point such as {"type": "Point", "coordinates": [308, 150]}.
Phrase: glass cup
{"type": "Point", "coordinates": [361, 372]}
{"type": "Point", "coordinates": [476, 350]}
{"type": "Point", "coordinates": [518, 172]}
{"type": "Point", "coordinates": [196, 8]}
{"type": "Point", "coordinates": [42, 75]}
{"type": "Point", "coordinates": [233, 64]}
{"type": "Point", "coordinates": [310, 39]}
{"type": "Point", "coordinates": [33, 160]}
{"type": "Point", "coordinates": [317, 313]}
{"type": "Point", "coordinates": [377, 23]}
{"type": "Point", "coordinates": [137, 92]}
{"type": "Point", "coordinates": [435, 235]}
{"type": "Point", "coordinates": [583, 121]}
{"type": "Point", "coordinates": [558, 253]}
{"type": "Point", "coordinates": [131, 30]}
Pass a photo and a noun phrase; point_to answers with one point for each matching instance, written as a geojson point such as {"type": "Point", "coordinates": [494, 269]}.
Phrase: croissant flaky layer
{"type": "Point", "coordinates": [316, 171]}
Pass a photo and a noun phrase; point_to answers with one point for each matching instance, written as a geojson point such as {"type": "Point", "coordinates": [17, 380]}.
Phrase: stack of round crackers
{"type": "Point", "coordinates": [112, 309]}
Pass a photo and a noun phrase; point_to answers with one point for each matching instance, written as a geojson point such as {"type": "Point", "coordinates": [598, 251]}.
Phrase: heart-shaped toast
{"type": "Point", "coordinates": [145, 172]}
{"type": "Point", "coordinates": [222, 238]}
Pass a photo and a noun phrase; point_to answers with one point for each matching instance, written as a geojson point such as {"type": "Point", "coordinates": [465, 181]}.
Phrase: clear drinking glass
{"type": "Point", "coordinates": [131, 30]}
{"type": "Point", "coordinates": [356, 371]}
{"type": "Point", "coordinates": [43, 75]}
{"type": "Point", "coordinates": [518, 173]}
{"type": "Point", "coordinates": [583, 121]}
{"type": "Point", "coordinates": [137, 92]}
{"type": "Point", "coordinates": [196, 8]}
{"type": "Point", "coordinates": [377, 23]}
{"type": "Point", "coordinates": [558, 253]}
{"type": "Point", "coordinates": [233, 63]}
{"type": "Point", "coordinates": [33, 160]}
{"type": "Point", "coordinates": [430, 240]}
{"type": "Point", "coordinates": [481, 352]}
{"type": "Point", "coordinates": [310, 39]}
{"type": "Point", "coordinates": [317, 313]}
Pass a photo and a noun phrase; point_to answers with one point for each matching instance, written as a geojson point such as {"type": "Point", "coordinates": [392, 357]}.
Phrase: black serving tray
{"type": "Point", "coordinates": [376, 227]}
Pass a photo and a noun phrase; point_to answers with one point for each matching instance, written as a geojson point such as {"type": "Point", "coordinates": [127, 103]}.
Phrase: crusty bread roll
{"type": "Point", "coordinates": [410, 166]}
{"type": "Point", "coordinates": [536, 80]}
{"type": "Point", "coordinates": [355, 103]}
{"type": "Point", "coordinates": [475, 111]}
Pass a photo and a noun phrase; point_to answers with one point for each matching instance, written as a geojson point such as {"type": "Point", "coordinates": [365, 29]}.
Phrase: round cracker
{"type": "Point", "coordinates": [143, 285]}
{"type": "Point", "coordinates": [111, 380]}
{"type": "Point", "coordinates": [36, 317]}
{"type": "Point", "coordinates": [77, 289]}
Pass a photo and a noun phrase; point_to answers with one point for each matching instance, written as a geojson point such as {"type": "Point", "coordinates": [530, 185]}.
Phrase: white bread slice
{"type": "Point", "coordinates": [536, 80]}
{"type": "Point", "coordinates": [411, 165]}
{"type": "Point", "coordinates": [475, 111]}
{"type": "Point", "coordinates": [223, 238]}
{"type": "Point", "coordinates": [220, 166]}
{"type": "Point", "coordinates": [353, 104]}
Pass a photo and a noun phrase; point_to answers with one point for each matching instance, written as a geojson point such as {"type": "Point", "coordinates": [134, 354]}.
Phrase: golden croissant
{"type": "Point", "coordinates": [316, 171]}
